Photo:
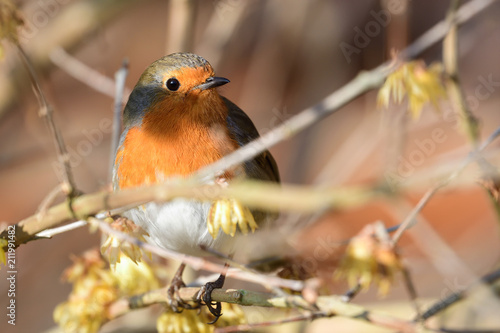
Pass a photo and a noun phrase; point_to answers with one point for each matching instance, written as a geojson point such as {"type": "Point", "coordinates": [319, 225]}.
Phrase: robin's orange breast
{"type": "Point", "coordinates": [170, 144]}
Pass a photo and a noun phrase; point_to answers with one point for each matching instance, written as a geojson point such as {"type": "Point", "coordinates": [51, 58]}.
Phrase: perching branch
{"type": "Point", "coordinates": [327, 306]}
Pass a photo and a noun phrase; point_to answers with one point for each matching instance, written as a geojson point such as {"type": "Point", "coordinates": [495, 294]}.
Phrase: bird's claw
{"type": "Point", "coordinates": [174, 299]}
{"type": "Point", "coordinates": [228, 214]}
{"type": "Point", "coordinates": [205, 295]}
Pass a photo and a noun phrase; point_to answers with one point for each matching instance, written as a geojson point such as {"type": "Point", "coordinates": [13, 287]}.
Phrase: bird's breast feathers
{"type": "Point", "coordinates": [149, 155]}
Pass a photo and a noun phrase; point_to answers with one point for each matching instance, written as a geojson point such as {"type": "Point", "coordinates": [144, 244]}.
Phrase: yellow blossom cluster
{"type": "Point", "coordinates": [370, 258]}
{"type": "Point", "coordinates": [419, 83]}
{"type": "Point", "coordinates": [95, 287]}
{"type": "Point", "coordinates": [228, 214]}
{"type": "Point", "coordinates": [113, 247]}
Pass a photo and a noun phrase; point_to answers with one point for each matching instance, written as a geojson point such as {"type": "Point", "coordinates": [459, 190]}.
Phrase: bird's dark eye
{"type": "Point", "coordinates": [172, 84]}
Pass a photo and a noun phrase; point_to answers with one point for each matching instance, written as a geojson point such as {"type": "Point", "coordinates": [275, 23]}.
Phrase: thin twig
{"type": "Point", "coordinates": [335, 306]}
{"type": "Point", "coordinates": [62, 229]}
{"type": "Point", "coordinates": [467, 330]}
{"type": "Point", "coordinates": [49, 200]}
{"type": "Point", "coordinates": [120, 77]}
{"type": "Point", "coordinates": [410, 219]}
{"type": "Point", "coordinates": [68, 184]}
{"type": "Point", "coordinates": [86, 74]}
{"type": "Point", "coordinates": [351, 293]}
{"type": "Point", "coordinates": [359, 85]}
{"type": "Point", "coordinates": [410, 288]}
{"type": "Point", "coordinates": [450, 60]}
{"type": "Point", "coordinates": [187, 294]}
{"type": "Point", "coordinates": [443, 304]}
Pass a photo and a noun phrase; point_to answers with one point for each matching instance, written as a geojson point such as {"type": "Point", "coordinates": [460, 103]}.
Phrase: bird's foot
{"type": "Point", "coordinates": [229, 214]}
{"type": "Point", "coordinates": [205, 295]}
{"type": "Point", "coordinates": [174, 299]}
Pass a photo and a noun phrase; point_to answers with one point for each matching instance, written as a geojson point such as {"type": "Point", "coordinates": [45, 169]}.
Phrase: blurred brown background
{"type": "Point", "coordinates": [281, 57]}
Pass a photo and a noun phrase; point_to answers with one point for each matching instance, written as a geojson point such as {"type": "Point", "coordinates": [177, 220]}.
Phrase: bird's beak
{"type": "Point", "coordinates": [212, 82]}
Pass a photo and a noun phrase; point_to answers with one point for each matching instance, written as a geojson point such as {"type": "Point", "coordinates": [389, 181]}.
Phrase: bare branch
{"type": "Point", "coordinates": [49, 199]}
{"type": "Point", "coordinates": [62, 229]}
{"type": "Point", "coordinates": [455, 93]}
{"type": "Point", "coordinates": [443, 304]}
{"type": "Point", "coordinates": [86, 74]}
{"type": "Point", "coordinates": [410, 288]}
{"type": "Point", "coordinates": [410, 220]}
{"type": "Point", "coordinates": [276, 290]}
{"type": "Point", "coordinates": [68, 184]}
{"type": "Point", "coordinates": [328, 305]}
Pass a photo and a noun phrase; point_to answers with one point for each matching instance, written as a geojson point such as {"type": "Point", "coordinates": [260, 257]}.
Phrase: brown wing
{"type": "Point", "coordinates": [243, 130]}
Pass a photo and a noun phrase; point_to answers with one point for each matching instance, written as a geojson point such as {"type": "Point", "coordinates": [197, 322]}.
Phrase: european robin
{"type": "Point", "coordinates": [175, 122]}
